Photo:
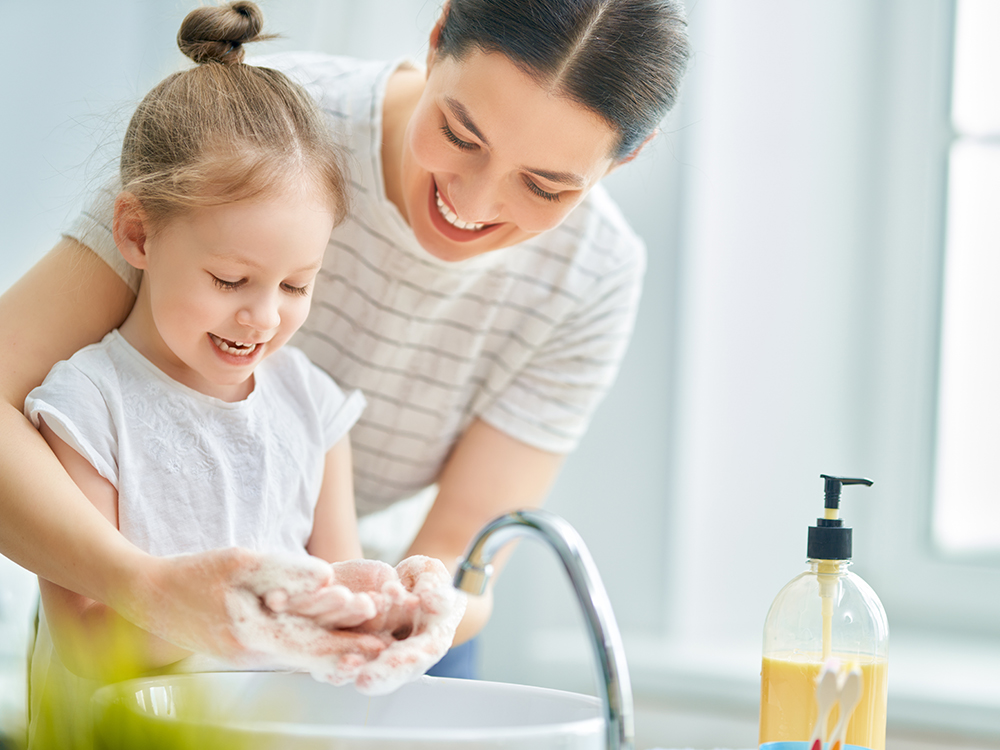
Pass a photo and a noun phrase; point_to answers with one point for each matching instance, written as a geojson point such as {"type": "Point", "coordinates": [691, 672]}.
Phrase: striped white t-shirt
{"type": "Point", "coordinates": [527, 338]}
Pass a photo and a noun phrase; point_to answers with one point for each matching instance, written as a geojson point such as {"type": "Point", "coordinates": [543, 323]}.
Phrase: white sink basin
{"type": "Point", "coordinates": [293, 711]}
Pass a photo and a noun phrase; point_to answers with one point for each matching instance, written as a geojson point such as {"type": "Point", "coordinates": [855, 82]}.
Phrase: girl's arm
{"type": "Point", "coordinates": [488, 474]}
{"type": "Point", "coordinates": [335, 522]}
{"type": "Point", "coordinates": [69, 299]}
{"type": "Point", "coordinates": [91, 638]}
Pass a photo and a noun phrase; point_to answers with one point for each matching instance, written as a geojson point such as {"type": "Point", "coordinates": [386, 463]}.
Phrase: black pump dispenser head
{"type": "Point", "coordinates": [829, 539]}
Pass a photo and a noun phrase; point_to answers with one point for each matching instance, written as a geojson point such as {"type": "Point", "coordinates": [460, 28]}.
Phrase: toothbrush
{"type": "Point", "coordinates": [827, 691]}
{"type": "Point", "coordinates": [850, 696]}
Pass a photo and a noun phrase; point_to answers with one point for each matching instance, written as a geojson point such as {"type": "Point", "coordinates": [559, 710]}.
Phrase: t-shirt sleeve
{"type": "Point", "coordinates": [74, 408]}
{"type": "Point", "coordinates": [337, 411]}
{"type": "Point", "coordinates": [93, 227]}
{"type": "Point", "coordinates": [550, 402]}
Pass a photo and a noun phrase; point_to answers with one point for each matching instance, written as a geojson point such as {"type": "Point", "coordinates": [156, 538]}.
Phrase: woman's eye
{"type": "Point", "coordinates": [223, 284]}
{"type": "Point", "coordinates": [539, 192]}
{"type": "Point", "coordinates": [464, 145]}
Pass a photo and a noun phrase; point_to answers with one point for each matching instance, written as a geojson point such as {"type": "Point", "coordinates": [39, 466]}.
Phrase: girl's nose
{"type": "Point", "coordinates": [260, 313]}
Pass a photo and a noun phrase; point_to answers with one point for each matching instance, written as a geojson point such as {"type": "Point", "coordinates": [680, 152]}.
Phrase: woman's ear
{"type": "Point", "coordinates": [436, 35]}
{"type": "Point", "coordinates": [635, 152]}
{"type": "Point", "coordinates": [129, 229]}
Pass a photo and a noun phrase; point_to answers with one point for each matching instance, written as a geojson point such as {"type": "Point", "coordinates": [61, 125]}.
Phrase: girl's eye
{"type": "Point", "coordinates": [300, 291]}
{"type": "Point", "coordinates": [464, 145]}
{"type": "Point", "coordinates": [230, 285]}
{"type": "Point", "coordinates": [539, 192]}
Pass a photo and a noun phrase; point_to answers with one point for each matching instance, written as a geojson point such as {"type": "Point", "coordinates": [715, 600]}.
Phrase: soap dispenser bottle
{"type": "Point", "coordinates": [826, 611]}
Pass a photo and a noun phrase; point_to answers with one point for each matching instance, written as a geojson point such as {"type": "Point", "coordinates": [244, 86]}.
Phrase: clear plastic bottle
{"type": "Point", "coordinates": [824, 612]}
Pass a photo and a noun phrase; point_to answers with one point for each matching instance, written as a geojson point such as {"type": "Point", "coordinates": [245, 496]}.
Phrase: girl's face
{"type": "Point", "coordinates": [490, 158]}
{"type": "Point", "coordinates": [226, 286]}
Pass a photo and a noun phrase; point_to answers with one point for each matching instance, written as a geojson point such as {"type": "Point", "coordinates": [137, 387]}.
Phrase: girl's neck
{"type": "Point", "coordinates": [402, 92]}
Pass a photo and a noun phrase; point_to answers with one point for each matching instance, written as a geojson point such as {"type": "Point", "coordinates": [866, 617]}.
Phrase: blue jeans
{"type": "Point", "coordinates": [460, 661]}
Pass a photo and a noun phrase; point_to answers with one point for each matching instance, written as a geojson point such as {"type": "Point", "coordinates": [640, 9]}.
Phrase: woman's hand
{"type": "Point", "coordinates": [215, 602]}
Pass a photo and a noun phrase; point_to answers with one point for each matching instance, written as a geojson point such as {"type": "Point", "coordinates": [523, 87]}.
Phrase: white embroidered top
{"type": "Point", "coordinates": [193, 472]}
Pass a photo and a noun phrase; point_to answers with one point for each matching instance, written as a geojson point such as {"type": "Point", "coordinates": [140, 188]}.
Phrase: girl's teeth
{"type": "Point", "coordinates": [452, 218]}
{"type": "Point", "coordinates": [238, 348]}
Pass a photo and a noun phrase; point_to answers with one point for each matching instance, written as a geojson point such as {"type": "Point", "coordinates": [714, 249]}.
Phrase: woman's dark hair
{"type": "Point", "coordinates": [622, 59]}
{"type": "Point", "coordinates": [224, 131]}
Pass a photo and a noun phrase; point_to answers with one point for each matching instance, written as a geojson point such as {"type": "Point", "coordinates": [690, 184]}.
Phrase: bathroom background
{"type": "Point", "coordinates": [801, 315]}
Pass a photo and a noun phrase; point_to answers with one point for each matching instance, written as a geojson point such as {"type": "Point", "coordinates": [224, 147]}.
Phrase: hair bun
{"type": "Point", "coordinates": [218, 34]}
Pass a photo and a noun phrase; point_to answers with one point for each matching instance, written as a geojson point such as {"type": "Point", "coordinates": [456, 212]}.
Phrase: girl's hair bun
{"type": "Point", "coordinates": [217, 34]}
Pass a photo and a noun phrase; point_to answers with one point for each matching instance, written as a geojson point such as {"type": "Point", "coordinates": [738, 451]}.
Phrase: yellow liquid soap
{"type": "Point", "coordinates": [788, 709]}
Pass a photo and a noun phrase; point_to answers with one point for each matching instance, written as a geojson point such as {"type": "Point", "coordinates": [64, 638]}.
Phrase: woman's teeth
{"type": "Point", "coordinates": [238, 348]}
{"type": "Point", "coordinates": [452, 218]}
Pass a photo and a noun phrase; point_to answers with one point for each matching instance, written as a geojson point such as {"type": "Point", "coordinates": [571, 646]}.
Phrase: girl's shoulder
{"type": "Point", "coordinates": [288, 377]}
{"type": "Point", "coordinates": [292, 374]}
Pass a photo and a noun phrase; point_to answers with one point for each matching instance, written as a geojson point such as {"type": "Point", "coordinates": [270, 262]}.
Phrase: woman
{"type": "Point", "coordinates": [480, 293]}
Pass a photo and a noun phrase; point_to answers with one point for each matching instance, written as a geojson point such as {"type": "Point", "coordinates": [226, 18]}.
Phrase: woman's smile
{"type": "Point", "coordinates": [447, 223]}
{"type": "Point", "coordinates": [451, 217]}
{"type": "Point", "coordinates": [491, 158]}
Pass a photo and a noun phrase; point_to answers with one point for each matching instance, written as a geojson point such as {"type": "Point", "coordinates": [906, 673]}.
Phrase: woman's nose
{"type": "Point", "coordinates": [260, 313]}
{"type": "Point", "coordinates": [477, 199]}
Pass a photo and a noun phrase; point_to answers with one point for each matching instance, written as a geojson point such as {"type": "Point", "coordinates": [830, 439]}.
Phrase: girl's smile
{"type": "Point", "coordinates": [226, 286]}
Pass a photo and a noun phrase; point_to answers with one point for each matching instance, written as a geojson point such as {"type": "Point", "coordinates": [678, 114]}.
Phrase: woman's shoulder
{"type": "Point", "coordinates": [330, 79]}
{"type": "Point", "coordinates": [94, 361]}
{"type": "Point", "coordinates": [595, 242]}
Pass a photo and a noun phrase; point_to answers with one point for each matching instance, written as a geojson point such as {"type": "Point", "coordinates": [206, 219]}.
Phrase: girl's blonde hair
{"type": "Point", "coordinates": [225, 131]}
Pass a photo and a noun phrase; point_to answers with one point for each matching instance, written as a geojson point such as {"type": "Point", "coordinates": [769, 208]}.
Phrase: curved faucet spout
{"type": "Point", "coordinates": [476, 569]}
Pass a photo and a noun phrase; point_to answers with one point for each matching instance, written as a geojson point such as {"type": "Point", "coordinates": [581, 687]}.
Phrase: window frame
{"type": "Point", "coordinates": [917, 581]}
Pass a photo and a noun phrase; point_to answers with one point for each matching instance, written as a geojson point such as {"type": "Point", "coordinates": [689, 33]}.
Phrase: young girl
{"type": "Point", "coordinates": [189, 427]}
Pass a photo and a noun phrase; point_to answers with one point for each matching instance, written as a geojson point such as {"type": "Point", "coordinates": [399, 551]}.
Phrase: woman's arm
{"type": "Point", "coordinates": [335, 522]}
{"type": "Point", "coordinates": [70, 298]}
{"type": "Point", "coordinates": [91, 638]}
{"type": "Point", "coordinates": [489, 473]}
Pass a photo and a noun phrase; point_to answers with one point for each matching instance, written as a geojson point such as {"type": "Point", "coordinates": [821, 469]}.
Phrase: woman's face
{"type": "Point", "coordinates": [490, 158]}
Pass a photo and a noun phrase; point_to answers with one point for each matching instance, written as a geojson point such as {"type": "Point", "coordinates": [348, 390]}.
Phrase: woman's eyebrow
{"type": "Point", "coordinates": [458, 109]}
{"type": "Point", "coordinates": [462, 114]}
{"type": "Point", "coordinates": [567, 178]}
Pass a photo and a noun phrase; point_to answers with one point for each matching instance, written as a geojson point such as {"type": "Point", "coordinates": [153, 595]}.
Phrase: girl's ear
{"type": "Point", "coordinates": [129, 230]}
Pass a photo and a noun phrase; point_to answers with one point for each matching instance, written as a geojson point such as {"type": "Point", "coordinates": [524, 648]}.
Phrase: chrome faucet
{"type": "Point", "coordinates": [475, 571]}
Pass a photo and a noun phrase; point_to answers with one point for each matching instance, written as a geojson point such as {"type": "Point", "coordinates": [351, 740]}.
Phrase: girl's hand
{"type": "Point", "coordinates": [417, 612]}
{"type": "Point", "coordinates": [422, 626]}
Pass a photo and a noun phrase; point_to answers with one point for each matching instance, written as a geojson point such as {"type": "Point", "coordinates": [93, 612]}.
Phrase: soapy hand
{"type": "Point", "coordinates": [416, 612]}
{"type": "Point", "coordinates": [213, 603]}
{"type": "Point", "coordinates": [359, 621]}
{"type": "Point", "coordinates": [318, 639]}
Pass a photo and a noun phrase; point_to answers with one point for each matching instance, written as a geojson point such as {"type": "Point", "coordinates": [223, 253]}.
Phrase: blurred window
{"type": "Point", "coordinates": [966, 514]}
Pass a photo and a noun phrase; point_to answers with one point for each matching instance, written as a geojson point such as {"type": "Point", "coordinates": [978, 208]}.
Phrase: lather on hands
{"type": "Point", "coordinates": [370, 623]}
